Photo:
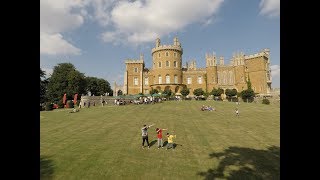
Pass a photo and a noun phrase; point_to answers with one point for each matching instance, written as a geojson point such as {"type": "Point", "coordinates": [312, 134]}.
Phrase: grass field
{"type": "Point", "coordinates": [105, 142]}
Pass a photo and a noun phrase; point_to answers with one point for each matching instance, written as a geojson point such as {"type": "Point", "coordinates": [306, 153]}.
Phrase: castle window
{"type": "Point", "coordinates": [160, 79]}
{"type": "Point", "coordinates": [135, 69]}
{"type": "Point", "coordinates": [135, 81]}
{"type": "Point", "coordinates": [175, 54]}
{"type": "Point", "coordinates": [159, 54]}
{"type": "Point", "coordinates": [175, 63]}
{"type": "Point", "coordinates": [199, 80]}
{"type": "Point", "coordinates": [189, 80]}
{"type": "Point", "coordinates": [175, 79]}
{"type": "Point", "coordinates": [159, 64]}
{"type": "Point", "coordinates": [146, 81]}
{"type": "Point", "coordinates": [167, 79]}
{"type": "Point", "coordinates": [167, 54]}
{"type": "Point", "coordinates": [167, 63]}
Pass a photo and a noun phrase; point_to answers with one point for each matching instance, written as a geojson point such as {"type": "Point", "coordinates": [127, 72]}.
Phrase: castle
{"type": "Point", "coordinates": [168, 73]}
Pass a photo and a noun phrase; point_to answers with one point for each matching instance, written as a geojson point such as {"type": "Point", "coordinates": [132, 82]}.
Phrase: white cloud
{"type": "Point", "coordinates": [143, 21]}
{"type": "Point", "coordinates": [275, 70]}
{"type": "Point", "coordinates": [54, 44]}
{"type": "Point", "coordinates": [56, 17]}
{"type": "Point", "coordinates": [270, 8]}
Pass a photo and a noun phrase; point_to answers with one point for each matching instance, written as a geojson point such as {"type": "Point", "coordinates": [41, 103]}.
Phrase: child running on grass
{"type": "Point", "coordinates": [170, 140]}
{"type": "Point", "coordinates": [237, 112]}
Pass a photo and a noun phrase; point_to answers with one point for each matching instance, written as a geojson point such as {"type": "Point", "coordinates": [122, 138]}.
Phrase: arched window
{"type": "Point", "coordinates": [135, 81]}
{"type": "Point", "coordinates": [167, 79]}
{"type": "Point", "coordinates": [199, 79]}
{"type": "Point", "coordinates": [159, 55]}
{"type": "Point", "coordinates": [189, 80]}
{"type": "Point", "coordinates": [231, 77]}
{"type": "Point", "coordinates": [224, 77]}
{"type": "Point", "coordinates": [135, 69]}
{"type": "Point", "coordinates": [167, 54]}
{"type": "Point", "coordinates": [175, 54]}
{"type": "Point", "coordinates": [160, 79]}
{"type": "Point", "coordinates": [175, 79]}
{"type": "Point", "coordinates": [146, 81]}
{"type": "Point", "coordinates": [167, 63]}
{"type": "Point", "coordinates": [159, 64]}
{"type": "Point", "coordinates": [174, 63]}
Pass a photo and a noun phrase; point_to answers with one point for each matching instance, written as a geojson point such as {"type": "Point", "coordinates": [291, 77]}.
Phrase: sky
{"type": "Point", "coordinates": [97, 36]}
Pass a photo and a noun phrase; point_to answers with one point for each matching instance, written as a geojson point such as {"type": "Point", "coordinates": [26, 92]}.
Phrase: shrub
{"type": "Point", "coordinates": [60, 104]}
{"type": "Point", "coordinates": [265, 101]}
{"type": "Point", "coordinates": [70, 104]}
{"type": "Point", "coordinates": [49, 106]}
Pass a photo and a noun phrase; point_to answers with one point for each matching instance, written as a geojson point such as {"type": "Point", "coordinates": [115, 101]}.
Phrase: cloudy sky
{"type": "Point", "coordinates": [97, 36]}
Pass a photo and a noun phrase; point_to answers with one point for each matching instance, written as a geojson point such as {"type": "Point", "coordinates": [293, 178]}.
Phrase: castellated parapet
{"type": "Point", "coordinates": [131, 61]}
{"type": "Point", "coordinates": [263, 53]}
{"type": "Point", "coordinates": [167, 47]}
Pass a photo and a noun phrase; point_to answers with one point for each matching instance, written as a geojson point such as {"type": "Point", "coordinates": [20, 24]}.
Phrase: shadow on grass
{"type": "Point", "coordinates": [46, 168]}
{"type": "Point", "coordinates": [152, 143]}
{"type": "Point", "coordinates": [245, 163]}
{"type": "Point", "coordinates": [165, 143]}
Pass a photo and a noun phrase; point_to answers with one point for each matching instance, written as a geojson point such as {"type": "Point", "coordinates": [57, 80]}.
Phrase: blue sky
{"type": "Point", "coordinates": [97, 36]}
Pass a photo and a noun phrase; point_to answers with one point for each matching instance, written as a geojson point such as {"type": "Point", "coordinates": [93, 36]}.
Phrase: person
{"type": "Point", "coordinates": [159, 136]}
{"type": "Point", "coordinates": [237, 112]}
{"type": "Point", "coordinates": [170, 141]}
{"type": "Point", "coordinates": [74, 110]}
{"type": "Point", "coordinates": [144, 132]}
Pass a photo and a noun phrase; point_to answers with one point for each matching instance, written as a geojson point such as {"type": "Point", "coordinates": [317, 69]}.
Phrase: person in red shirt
{"type": "Point", "coordinates": [159, 135]}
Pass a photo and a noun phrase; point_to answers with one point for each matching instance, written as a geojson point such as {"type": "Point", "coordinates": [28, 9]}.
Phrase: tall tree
{"type": "Point", "coordinates": [65, 79]}
{"type": "Point", "coordinates": [97, 86]}
{"type": "Point", "coordinates": [43, 86]}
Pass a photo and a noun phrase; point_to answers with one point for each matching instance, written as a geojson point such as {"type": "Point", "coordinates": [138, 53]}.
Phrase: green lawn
{"type": "Point", "coordinates": [105, 142]}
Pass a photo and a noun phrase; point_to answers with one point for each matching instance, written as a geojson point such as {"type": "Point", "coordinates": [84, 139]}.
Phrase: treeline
{"type": "Point", "coordinates": [67, 79]}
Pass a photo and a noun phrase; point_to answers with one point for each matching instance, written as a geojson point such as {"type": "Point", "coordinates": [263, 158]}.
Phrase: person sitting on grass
{"type": "Point", "coordinates": [170, 141]}
{"type": "Point", "coordinates": [74, 110]}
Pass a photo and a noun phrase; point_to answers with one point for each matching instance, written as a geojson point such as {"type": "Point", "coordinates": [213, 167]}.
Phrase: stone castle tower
{"type": "Point", "coordinates": [167, 71]}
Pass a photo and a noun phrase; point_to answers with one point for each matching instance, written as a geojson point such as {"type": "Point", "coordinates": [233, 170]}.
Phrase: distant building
{"type": "Point", "coordinates": [167, 72]}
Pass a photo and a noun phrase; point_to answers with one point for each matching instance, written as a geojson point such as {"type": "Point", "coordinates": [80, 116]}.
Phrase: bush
{"type": "Point", "coordinates": [70, 104]}
{"type": "Point", "coordinates": [49, 106]}
{"type": "Point", "coordinates": [60, 104]}
{"type": "Point", "coordinates": [265, 101]}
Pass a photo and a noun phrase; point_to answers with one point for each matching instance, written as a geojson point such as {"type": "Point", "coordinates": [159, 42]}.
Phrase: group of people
{"type": "Point", "coordinates": [144, 131]}
{"type": "Point", "coordinates": [207, 108]}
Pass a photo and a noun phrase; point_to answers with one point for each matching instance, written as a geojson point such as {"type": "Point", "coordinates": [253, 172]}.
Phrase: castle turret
{"type": "Point", "coordinates": [221, 60]}
{"type": "Point", "coordinates": [167, 65]}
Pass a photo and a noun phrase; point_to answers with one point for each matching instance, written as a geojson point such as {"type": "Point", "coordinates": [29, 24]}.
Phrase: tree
{"type": "Point", "coordinates": [230, 93]}
{"type": "Point", "coordinates": [217, 92]}
{"type": "Point", "coordinates": [185, 91]}
{"type": "Point", "coordinates": [97, 86]}
{"type": "Point", "coordinates": [168, 92]}
{"type": "Point", "coordinates": [198, 92]}
{"type": "Point", "coordinates": [65, 79]}
{"type": "Point", "coordinates": [154, 91]}
{"type": "Point", "coordinates": [43, 86]}
{"type": "Point", "coordinates": [248, 94]}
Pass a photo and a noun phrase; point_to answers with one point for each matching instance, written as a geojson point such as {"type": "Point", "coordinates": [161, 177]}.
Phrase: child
{"type": "Point", "coordinates": [237, 112]}
{"type": "Point", "coordinates": [170, 141]}
{"type": "Point", "coordinates": [159, 135]}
